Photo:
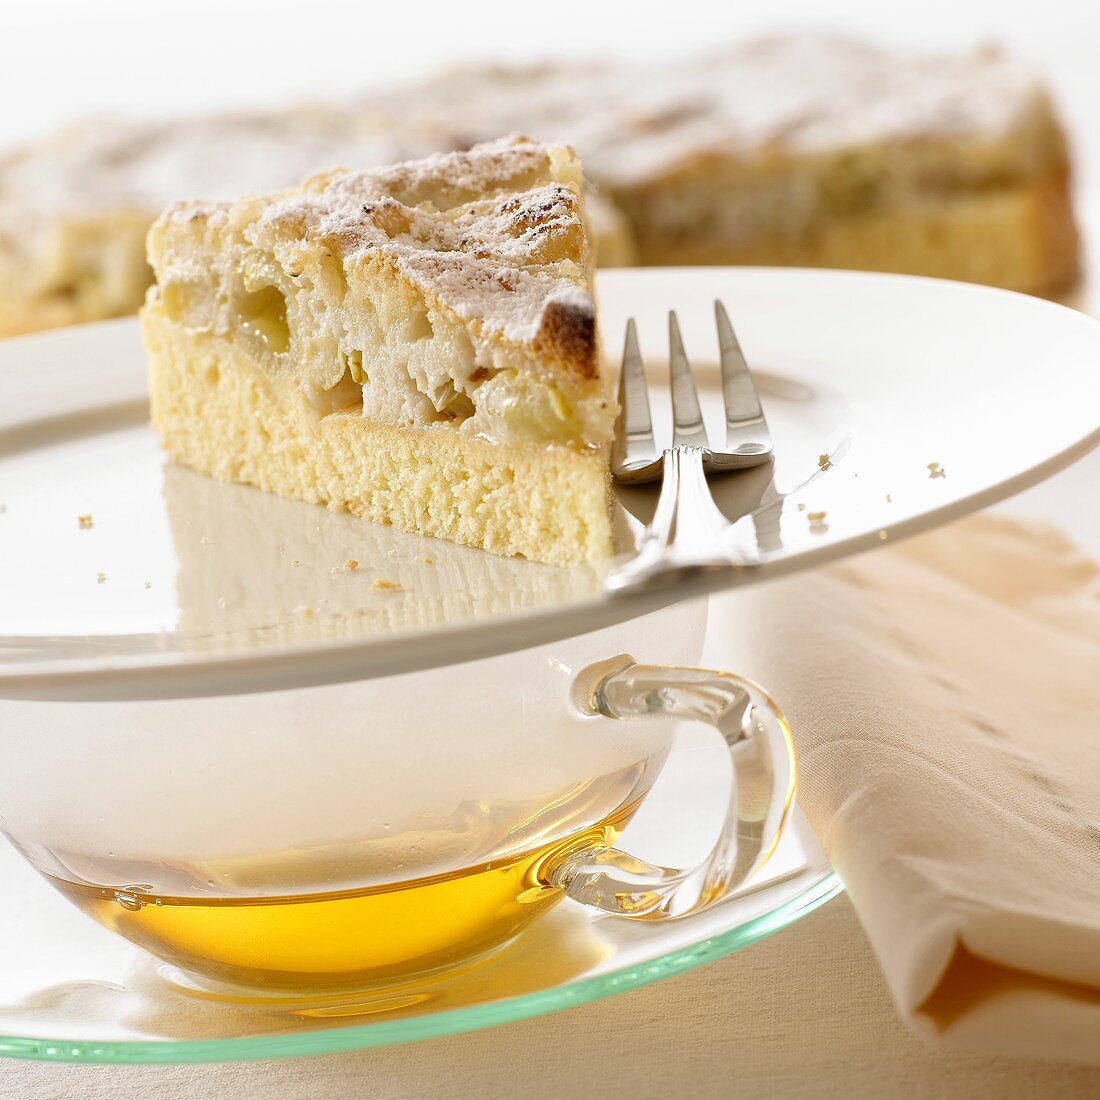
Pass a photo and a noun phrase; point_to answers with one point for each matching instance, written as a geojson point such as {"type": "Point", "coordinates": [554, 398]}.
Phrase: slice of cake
{"type": "Point", "coordinates": [416, 345]}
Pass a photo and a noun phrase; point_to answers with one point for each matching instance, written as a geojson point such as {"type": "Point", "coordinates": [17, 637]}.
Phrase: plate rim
{"type": "Point", "coordinates": [180, 674]}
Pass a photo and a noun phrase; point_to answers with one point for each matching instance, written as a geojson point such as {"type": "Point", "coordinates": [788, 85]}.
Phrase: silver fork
{"type": "Point", "coordinates": [688, 535]}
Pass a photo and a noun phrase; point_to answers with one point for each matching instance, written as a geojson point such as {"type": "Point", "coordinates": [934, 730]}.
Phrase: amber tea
{"type": "Point", "coordinates": [347, 938]}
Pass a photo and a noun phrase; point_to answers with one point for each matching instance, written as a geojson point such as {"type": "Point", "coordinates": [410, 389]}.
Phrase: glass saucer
{"type": "Point", "coordinates": [72, 991]}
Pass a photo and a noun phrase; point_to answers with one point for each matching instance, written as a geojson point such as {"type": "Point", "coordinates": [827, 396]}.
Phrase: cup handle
{"type": "Point", "coordinates": [761, 792]}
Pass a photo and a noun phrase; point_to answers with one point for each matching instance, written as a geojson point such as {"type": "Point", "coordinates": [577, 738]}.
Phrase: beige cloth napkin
{"type": "Point", "coordinates": [945, 696]}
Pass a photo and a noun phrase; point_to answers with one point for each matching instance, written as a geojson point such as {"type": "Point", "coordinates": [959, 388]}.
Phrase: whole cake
{"type": "Point", "coordinates": [413, 344]}
{"type": "Point", "coordinates": [816, 150]}
{"type": "Point", "coordinates": [802, 150]}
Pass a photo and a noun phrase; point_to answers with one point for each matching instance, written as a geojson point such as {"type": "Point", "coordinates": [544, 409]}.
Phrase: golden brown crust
{"type": "Point", "coordinates": [567, 335]}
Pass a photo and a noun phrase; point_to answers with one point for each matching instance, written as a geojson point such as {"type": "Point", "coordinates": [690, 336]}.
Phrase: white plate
{"type": "Point", "coordinates": [186, 586]}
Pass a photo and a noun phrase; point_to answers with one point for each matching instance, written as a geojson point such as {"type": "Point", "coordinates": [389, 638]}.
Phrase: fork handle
{"type": "Point", "coordinates": [688, 535]}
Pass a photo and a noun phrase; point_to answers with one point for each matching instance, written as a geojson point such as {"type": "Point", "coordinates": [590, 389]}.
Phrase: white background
{"type": "Point", "coordinates": [60, 60]}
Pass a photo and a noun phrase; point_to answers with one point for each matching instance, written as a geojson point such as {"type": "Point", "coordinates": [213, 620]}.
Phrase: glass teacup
{"type": "Point", "coordinates": [342, 836]}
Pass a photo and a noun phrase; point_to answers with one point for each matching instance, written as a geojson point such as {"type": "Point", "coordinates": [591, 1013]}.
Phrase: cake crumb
{"type": "Point", "coordinates": [882, 535]}
{"type": "Point", "coordinates": [148, 584]}
{"type": "Point", "coordinates": [351, 564]}
{"type": "Point", "coordinates": [817, 522]}
{"type": "Point", "coordinates": [936, 470]}
{"type": "Point", "coordinates": [295, 562]}
{"type": "Point", "coordinates": [85, 522]}
{"type": "Point", "coordinates": [100, 577]}
{"type": "Point", "coordinates": [380, 584]}
{"type": "Point", "coordinates": [304, 612]}
{"type": "Point", "coordinates": [801, 507]}
{"type": "Point", "coordinates": [824, 462]}
{"type": "Point", "coordinates": [426, 561]}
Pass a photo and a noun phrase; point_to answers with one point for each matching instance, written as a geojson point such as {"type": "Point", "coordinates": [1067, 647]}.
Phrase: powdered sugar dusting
{"type": "Point", "coordinates": [489, 232]}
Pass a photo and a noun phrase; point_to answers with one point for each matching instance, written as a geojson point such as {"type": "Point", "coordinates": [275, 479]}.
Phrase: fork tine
{"type": "Point", "coordinates": [746, 429]}
{"type": "Point", "coordinates": [688, 429]}
{"type": "Point", "coordinates": [634, 456]}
